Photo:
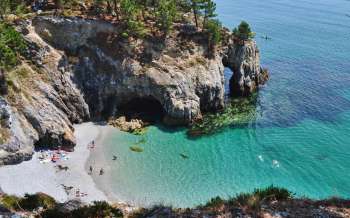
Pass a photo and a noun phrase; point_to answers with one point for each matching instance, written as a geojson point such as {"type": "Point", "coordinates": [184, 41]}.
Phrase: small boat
{"type": "Point", "coordinates": [184, 156]}
{"type": "Point", "coordinates": [266, 37]}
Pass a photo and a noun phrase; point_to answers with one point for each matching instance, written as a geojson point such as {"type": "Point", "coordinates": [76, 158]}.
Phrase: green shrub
{"type": "Point", "coordinates": [273, 193]}
{"type": "Point", "coordinates": [11, 45]}
{"type": "Point", "coordinates": [243, 31]}
{"type": "Point", "coordinates": [253, 201]}
{"type": "Point", "coordinates": [33, 201]}
{"type": "Point", "coordinates": [215, 202]}
{"type": "Point", "coordinates": [96, 210]}
{"type": "Point", "coordinates": [10, 202]}
{"type": "Point", "coordinates": [213, 28]}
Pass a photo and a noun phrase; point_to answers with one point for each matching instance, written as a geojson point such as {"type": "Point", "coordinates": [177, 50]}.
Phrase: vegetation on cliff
{"type": "Point", "coordinates": [243, 31]}
{"type": "Point", "coordinates": [270, 201]}
{"type": "Point", "coordinates": [11, 45]}
{"type": "Point", "coordinates": [139, 18]}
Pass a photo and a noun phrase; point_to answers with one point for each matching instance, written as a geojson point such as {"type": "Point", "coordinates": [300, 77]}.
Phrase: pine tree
{"type": "Point", "coordinates": [197, 6]}
{"type": "Point", "coordinates": [209, 11]}
{"type": "Point", "coordinates": [243, 31]}
{"type": "Point", "coordinates": [213, 28]}
{"type": "Point", "coordinates": [166, 14]}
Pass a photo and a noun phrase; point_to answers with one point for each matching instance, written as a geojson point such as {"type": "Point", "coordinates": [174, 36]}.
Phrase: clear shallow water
{"type": "Point", "coordinates": [299, 139]}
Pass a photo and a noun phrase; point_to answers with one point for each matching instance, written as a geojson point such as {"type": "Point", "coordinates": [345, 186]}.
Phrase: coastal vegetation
{"type": "Point", "coordinates": [11, 46]}
{"type": "Point", "coordinates": [138, 18]}
{"type": "Point", "coordinates": [243, 31]}
{"type": "Point", "coordinates": [270, 200]}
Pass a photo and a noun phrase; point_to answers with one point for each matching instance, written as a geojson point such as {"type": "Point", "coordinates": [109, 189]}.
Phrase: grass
{"type": "Point", "coordinates": [253, 201]}
{"type": "Point", "coordinates": [10, 202]}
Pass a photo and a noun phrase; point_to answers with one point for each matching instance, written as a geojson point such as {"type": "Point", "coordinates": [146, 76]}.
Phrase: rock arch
{"type": "Point", "coordinates": [244, 61]}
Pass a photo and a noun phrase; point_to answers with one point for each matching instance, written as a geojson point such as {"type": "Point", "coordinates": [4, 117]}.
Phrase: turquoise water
{"type": "Point", "coordinates": [299, 138]}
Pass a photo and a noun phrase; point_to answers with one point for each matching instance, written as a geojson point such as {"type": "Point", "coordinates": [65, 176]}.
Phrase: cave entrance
{"type": "Point", "coordinates": [147, 109]}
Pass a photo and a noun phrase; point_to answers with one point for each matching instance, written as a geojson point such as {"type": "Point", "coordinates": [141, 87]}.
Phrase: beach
{"type": "Point", "coordinates": [33, 176]}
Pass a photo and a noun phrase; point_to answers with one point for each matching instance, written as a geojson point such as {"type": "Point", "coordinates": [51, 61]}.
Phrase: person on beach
{"type": "Point", "coordinates": [101, 171]}
{"type": "Point", "coordinates": [77, 193]}
{"type": "Point", "coordinates": [114, 157]}
{"type": "Point", "coordinates": [90, 170]}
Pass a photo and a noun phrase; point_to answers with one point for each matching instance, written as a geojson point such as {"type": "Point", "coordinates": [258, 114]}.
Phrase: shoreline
{"type": "Point", "coordinates": [32, 176]}
{"type": "Point", "coordinates": [97, 159]}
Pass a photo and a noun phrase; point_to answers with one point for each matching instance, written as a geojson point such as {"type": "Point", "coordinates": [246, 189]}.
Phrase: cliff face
{"type": "Point", "coordinates": [112, 71]}
{"type": "Point", "coordinates": [83, 69]}
{"type": "Point", "coordinates": [41, 104]}
{"type": "Point", "coordinates": [244, 60]}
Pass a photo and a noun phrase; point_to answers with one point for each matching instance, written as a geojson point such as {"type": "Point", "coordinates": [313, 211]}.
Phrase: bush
{"type": "Point", "coordinates": [11, 45]}
{"type": "Point", "coordinates": [273, 193]}
{"type": "Point", "coordinates": [243, 31]}
{"type": "Point", "coordinates": [215, 202]}
{"type": "Point", "coordinates": [253, 201]}
{"type": "Point", "coordinates": [10, 202]}
{"type": "Point", "coordinates": [97, 209]}
{"type": "Point", "coordinates": [213, 28]}
{"type": "Point", "coordinates": [34, 201]}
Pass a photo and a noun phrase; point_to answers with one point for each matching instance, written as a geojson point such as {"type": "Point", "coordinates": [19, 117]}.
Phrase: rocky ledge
{"type": "Point", "coordinates": [80, 69]}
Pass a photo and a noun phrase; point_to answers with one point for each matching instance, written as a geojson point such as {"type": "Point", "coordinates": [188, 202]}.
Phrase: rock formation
{"type": "Point", "coordinates": [83, 69]}
{"type": "Point", "coordinates": [110, 73]}
{"type": "Point", "coordinates": [244, 60]}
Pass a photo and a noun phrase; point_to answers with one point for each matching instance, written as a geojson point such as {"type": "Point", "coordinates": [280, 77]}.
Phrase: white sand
{"type": "Point", "coordinates": [33, 176]}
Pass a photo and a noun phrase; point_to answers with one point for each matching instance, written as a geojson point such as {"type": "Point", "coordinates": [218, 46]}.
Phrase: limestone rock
{"type": "Point", "coordinates": [244, 61]}
{"type": "Point", "coordinates": [182, 81]}
{"type": "Point", "coordinates": [127, 126]}
{"type": "Point", "coordinates": [3, 84]}
{"type": "Point", "coordinates": [80, 69]}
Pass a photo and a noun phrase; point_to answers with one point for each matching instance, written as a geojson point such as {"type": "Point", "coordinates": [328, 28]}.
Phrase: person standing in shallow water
{"type": "Point", "coordinates": [101, 171]}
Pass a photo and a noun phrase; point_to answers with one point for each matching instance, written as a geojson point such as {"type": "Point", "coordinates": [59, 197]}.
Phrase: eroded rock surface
{"type": "Point", "coordinates": [112, 71]}
{"type": "Point", "coordinates": [79, 69]}
{"type": "Point", "coordinates": [244, 61]}
{"type": "Point", "coordinates": [42, 103]}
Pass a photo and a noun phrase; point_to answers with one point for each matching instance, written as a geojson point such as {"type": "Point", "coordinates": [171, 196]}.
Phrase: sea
{"type": "Point", "coordinates": [297, 138]}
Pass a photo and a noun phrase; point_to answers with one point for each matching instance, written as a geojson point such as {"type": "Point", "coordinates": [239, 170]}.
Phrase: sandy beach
{"type": "Point", "coordinates": [33, 176]}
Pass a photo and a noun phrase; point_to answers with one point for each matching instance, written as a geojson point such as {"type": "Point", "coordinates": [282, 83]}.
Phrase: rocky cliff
{"type": "Point", "coordinates": [79, 69]}
{"type": "Point", "coordinates": [244, 61]}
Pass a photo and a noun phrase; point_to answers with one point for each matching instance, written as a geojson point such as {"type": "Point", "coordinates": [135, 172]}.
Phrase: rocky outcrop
{"type": "Point", "coordinates": [126, 126]}
{"type": "Point", "coordinates": [243, 58]}
{"type": "Point", "coordinates": [79, 69]}
{"type": "Point", "coordinates": [3, 84]}
{"type": "Point", "coordinates": [112, 71]}
{"type": "Point", "coordinates": [14, 146]}
{"type": "Point", "coordinates": [41, 104]}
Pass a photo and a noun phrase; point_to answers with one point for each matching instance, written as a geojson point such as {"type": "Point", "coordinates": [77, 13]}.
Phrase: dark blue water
{"type": "Point", "coordinates": [299, 137]}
